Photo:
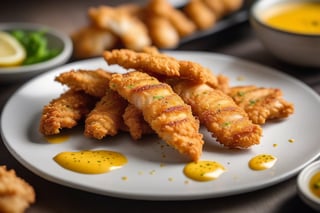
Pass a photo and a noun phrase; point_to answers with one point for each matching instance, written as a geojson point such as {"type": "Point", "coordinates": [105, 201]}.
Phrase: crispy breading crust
{"type": "Point", "coordinates": [93, 82]}
{"type": "Point", "coordinates": [91, 41]}
{"type": "Point", "coordinates": [200, 14]}
{"type": "Point", "coordinates": [133, 118]}
{"type": "Point", "coordinates": [143, 61]}
{"type": "Point", "coordinates": [228, 122]}
{"type": "Point", "coordinates": [65, 111]}
{"type": "Point", "coordinates": [131, 30]}
{"type": "Point", "coordinates": [232, 5]}
{"type": "Point", "coordinates": [16, 195]}
{"type": "Point", "coordinates": [164, 110]}
{"type": "Point", "coordinates": [177, 18]}
{"type": "Point", "coordinates": [158, 63]}
{"type": "Point", "coordinates": [106, 117]}
{"type": "Point", "coordinates": [261, 104]}
{"type": "Point", "coordinates": [162, 32]}
{"type": "Point", "coordinates": [158, 22]}
{"type": "Point", "coordinates": [197, 73]}
{"type": "Point", "coordinates": [216, 6]}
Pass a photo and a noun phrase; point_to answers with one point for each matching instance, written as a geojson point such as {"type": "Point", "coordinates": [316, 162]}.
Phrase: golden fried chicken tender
{"type": "Point", "coordinates": [157, 63]}
{"type": "Point", "coordinates": [223, 83]}
{"type": "Point", "coordinates": [162, 33]}
{"type": "Point", "coordinates": [130, 8]}
{"type": "Point", "coordinates": [153, 50]}
{"type": "Point", "coordinates": [16, 195]}
{"type": "Point", "coordinates": [163, 109]}
{"type": "Point", "coordinates": [133, 118]}
{"type": "Point", "coordinates": [106, 117]}
{"type": "Point", "coordinates": [91, 41]}
{"type": "Point", "coordinates": [216, 6]}
{"type": "Point", "coordinates": [232, 5]}
{"type": "Point", "coordinates": [130, 59]}
{"type": "Point", "coordinates": [158, 23]}
{"type": "Point", "coordinates": [65, 111]}
{"type": "Point", "coordinates": [183, 25]}
{"type": "Point", "coordinates": [93, 82]}
{"type": "Point", "coordinates": [193, 71]}
{"type": "Point", "coordinates": [261, 104]}
{"type": "Point", "coordinates": [131, 30]}
{"type": "Point", "coordinates": [197, 73]}
{"type": "Point", "coordinates": [223, 7]}
{"type": "Point", "coordinates": [200, 14]}
{"type": "Point", "coordinates": [227, 122]}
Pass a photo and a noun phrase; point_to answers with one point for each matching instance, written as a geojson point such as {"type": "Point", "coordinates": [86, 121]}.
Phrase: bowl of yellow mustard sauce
{"type": "Point", "coordinates": [308, 183]}
{"type": "Point", "coordinates": [289, 29]}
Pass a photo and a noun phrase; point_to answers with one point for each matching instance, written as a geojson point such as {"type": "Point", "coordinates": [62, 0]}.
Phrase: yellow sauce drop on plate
{"type": "Point", "coordinates": [315, 184]}
{"type": "Point", "coordinates": [203, 170]}
{"type": "Point", "coordinates": [91, 162]}
{"type": "Point", "coordinates": [57, 138]}
{"type": "Point", "coordinates": [262, 162]}
{"type": "Point", "coordinates": [297, 17]}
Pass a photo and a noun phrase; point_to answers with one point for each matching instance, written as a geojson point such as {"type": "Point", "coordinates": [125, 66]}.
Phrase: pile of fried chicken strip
{"type": "Point", "coordinates": [165, 96]}
{"type": "Point", "coordinates": [156, 23]}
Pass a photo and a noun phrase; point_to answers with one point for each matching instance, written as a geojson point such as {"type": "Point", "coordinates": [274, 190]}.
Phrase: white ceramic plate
{"type": "Point", "coordinates": [148, 175]}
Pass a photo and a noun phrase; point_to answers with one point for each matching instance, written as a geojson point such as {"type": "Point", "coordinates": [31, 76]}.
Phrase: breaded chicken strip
{"type": "Point", "coordinates": [162, 32]}
{"type": "Point", "coordinates": [16, 195]}
{"type": "Point", "coordinates": [216, 6]}
{"type": "Point", "coordinates": [193, 71]}
{"type": "Point", "coordinates": [227, 122]}
{"type": "Point", "coordinates": [223, 7]}
{"type": "Point", "coordinates": [197, 73]}
{"type": "Point", "coordinates": [130, 59]}
{"type": "Point", "coordinates": [93, 82]}
{"type": "Point", "coordinates": [91, 41]}
{"type": "Point", "coordinates": [106, 117]}
{"type": "Point", "coordinates": [133, 118]}
{"type": "Point", "coordinates": [65, 111]}
{"type": "Point", "coordinates": [163, 109]}
{"type": "Point", "coordinates": [232, 5]}
{"type": "Point", "coordinates": [162, 64]}
{"type": "Point", "coordinates": [131, 30]}
{"type": "Point", "coordinates": [131, 9]}
{"type": "Point", "coordinates": [223, 83]}
{"type": "Point", "coordinates": [261, 104]}
{"type": "Point", "coordinates": [200, 14]}
{"type": "Point", "coordinates": [183, 25]}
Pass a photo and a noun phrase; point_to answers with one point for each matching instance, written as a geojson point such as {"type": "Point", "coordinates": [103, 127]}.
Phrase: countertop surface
{"type": "Point", "coordinates": [239, 41]}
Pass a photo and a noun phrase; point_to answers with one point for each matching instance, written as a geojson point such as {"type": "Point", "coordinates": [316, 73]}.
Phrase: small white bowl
{"type": "Point", "coordinates": [293, 48]}
{"type": "Point", "coordinates": [303, 185]}
{"type": "Point", "coordinates": [55, 38]}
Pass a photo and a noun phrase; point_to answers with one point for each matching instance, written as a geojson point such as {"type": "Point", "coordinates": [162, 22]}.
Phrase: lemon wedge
{"type": "Point", "coordinates": [12, 53]}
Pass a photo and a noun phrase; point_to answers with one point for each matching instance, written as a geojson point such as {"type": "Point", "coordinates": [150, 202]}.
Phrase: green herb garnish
{"type": "Point", "coordinates": [157, 97]}
{"type": "Point", "coordinates": [36, 46]}
{"type": "Point", "coordinates": [226, 124]}
{"type": "Point", "coordinates": [240, 93]}
{"type": "Point", "coordinates": [252, 102]}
